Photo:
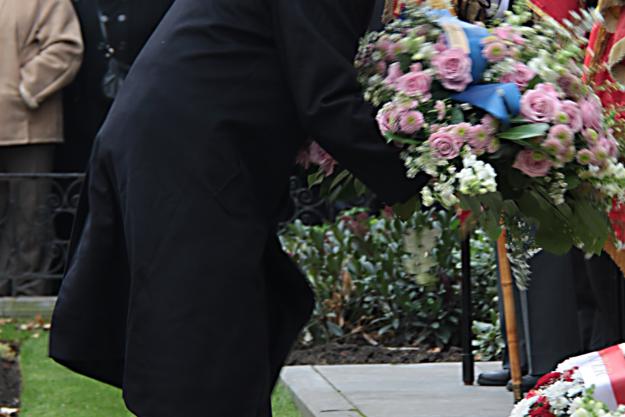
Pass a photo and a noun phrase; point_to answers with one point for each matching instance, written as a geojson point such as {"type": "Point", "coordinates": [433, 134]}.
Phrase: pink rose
{"type": "Point", "coordinates": [320, 157]}
{"type": "Point", "coordinates": [600, 153]}
{"type": "Point", "coordinates": [411, 122]}
{"type": "Point", "coordinates": [444, 145]}
{"type": "Point", "coordinates": [610, 144]}
{"type": "Point", "coordinates": [387, 119]}
{"type": "Point", "coordinates": [394, 73]}
{"type": "Point", "coordinates": [415, 84]}
{"type": "Point", "coordinates": [570, 84]}
{"type": "Point", "coordinates": [591, 136]}
{"type": "Point", "coordinates": [536, 106]}
{"type": "Point", "coordinates": [381, 67]}
{"type": "Point", "coordinates": [532, 164]}
{"type": "Point", "coordinates": [303, 157]}
{"type": "Point", "coordinates": [563, 133]}
{"type": "Point", "coordinates": [441, 109]}
{"type": "Point", "coordinates": [585, 157]}
{"type": "Point", "coordinates": [592, 113]}
{"type": "Point", "coordinates": [549, 89]}
{"type": "Point", "coordinates": [479, 138]}
{"type": "Point", "coordinates": [440, 44]}
{"type": "Point", "coordinates": [490, 124]}
{"type": "Point", "coordinates": [461, 131]}
{"type": "Point", "coordinates": [521, 76]}
{"type": "Point", "coordinates": [553, 146]}
{"type": "Point", "coordinates": [504, 32]}
{"type": "Point", "coordinates": [518, 39]}
{"type": "Point", "coordinates": [495, 51]}
{"type": "Point", "coordinates": [574, 115]}
{"type": "Point", "coordinates": [453, 68]}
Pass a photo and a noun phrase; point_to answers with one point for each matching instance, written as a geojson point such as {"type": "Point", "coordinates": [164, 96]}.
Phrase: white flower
{"type": "Point", "coordinates": [477, 177]}
{"type": "Point", "coordinates": [581, 413]}
{"type": "Point", "coordinates": [427, 197]}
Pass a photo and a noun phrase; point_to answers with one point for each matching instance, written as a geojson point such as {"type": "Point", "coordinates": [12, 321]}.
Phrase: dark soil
{"type": "Point", "coordinates": [10, 380]}
{"type": "Point", "coordinates": [354, 354]}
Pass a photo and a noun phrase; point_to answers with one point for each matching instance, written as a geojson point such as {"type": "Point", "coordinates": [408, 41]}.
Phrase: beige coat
{"type": "Point", "coordinates": [40, 53]}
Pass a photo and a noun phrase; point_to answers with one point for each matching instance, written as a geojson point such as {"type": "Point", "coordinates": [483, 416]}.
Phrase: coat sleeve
{"type": "Point", "coordinates": [317, 41]}
{"type": "Point", "coordinates": [57, 34]}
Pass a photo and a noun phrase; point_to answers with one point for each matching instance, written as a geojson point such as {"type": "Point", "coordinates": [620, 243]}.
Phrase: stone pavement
{"type": "Point", "coordinates": [427, 390]}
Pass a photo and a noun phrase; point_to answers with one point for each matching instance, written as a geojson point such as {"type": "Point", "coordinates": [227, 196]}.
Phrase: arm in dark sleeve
{"type": "Point", "coordinates": [318, 40]}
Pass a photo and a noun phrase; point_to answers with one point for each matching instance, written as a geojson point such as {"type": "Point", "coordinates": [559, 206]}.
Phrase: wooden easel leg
{"type": "Point", "coordinates": [505, 276]}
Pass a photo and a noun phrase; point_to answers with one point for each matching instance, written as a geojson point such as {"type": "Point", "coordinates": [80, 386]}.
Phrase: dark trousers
{"type": "Point", "coordinates": [600, 294]}
{"type": "Point", "coordinates": [547, 316]}
{"type": "Point", "coordinates": [24, 220]}
{"type": "Point", "coordinates": [573, 306]}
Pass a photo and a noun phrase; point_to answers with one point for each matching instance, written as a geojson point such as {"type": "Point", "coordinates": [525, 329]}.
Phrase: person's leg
{"type": "Point", "coordinates": [604, 277]}
{"type": "Point", "coordinates": [586, 303]}
{"type": "Point", "coordinates": [5, 246]}
{"type": "Point", "coordinates": [30, 219]}
{"type": "Point", "coordinates": [554, 328]}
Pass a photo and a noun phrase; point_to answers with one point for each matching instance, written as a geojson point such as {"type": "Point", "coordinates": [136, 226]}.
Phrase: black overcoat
{"type": "Point", "coordinates": [177, 288]}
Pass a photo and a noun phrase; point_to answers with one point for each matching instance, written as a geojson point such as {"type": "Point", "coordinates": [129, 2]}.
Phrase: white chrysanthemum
{"type": "Point", "coordinates": [522, 408]}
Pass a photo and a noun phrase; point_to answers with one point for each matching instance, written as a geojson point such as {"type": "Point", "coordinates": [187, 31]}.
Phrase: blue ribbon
{"type": "Point", "coordinates": [502, 101]}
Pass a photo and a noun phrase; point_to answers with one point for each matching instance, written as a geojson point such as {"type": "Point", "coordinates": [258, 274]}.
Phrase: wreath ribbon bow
{"type": "Point", "coordinates": [501, 100]}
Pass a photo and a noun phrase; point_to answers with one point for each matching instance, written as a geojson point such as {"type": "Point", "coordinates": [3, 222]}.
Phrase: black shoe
{"type": "Point", "coordinates": [494, 378]}
{"type": "Point", "coordinates": [527, 383]}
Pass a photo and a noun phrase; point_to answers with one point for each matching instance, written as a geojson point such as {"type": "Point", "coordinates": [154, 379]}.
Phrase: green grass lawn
{"type": "Point", "coordinates": [49, 390]}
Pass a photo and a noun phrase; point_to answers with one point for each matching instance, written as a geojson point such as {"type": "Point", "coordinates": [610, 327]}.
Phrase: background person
{"type": "Point", "coordinates": [126, 25]}
{"type": "Point", "coordinates": [41, 51]}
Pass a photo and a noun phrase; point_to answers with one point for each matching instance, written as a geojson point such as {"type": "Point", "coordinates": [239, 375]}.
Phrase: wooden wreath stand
{"type": "Point", "coordinates": [514, 354]}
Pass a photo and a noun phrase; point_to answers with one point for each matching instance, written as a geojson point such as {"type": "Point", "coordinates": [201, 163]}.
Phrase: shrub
{"type": "Point", "coordinates": [388, 280]}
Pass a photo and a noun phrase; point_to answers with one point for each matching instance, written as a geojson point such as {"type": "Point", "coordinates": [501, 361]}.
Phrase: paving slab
{"type": "Point", "coordinates": [26, 307]}
{"type": "Point", "coordinates": [425, 390]}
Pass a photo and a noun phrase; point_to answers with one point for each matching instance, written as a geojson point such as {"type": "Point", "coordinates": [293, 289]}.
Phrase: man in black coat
{"type": "Point", "coordinates": [177, 288]}
{"type": "Point", "coordinates": [129, 24]}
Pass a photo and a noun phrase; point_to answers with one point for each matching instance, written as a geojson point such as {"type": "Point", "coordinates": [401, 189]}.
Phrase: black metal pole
{"type": "Point", "coordinates": [468, 368]}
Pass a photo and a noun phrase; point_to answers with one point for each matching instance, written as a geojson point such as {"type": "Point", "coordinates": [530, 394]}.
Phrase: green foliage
{"type": "Point", "coordinates": [358, 269]}
{"type": "Point", "coordinates": [488, 341]}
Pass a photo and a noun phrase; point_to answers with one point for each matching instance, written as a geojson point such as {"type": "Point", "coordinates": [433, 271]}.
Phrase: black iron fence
{"type": "Point", "coordinates": [36, 216]}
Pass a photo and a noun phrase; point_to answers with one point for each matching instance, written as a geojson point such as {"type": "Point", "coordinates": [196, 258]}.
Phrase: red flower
{"type": "Point", "coordinates": [548, 379]}
{"type": "Point", "coordinates": [617, 219]}
{"type": "Point", "coordinates": [388, 212]}
{"type": "Point", "coordinates": [541, 408]}
{"type": "Point", "coordinates": [568, 375]}
{"type": "Point", "coordinates": [464, 215]}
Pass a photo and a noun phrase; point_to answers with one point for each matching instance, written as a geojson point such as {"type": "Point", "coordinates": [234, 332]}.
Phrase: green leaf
{"type": "Point", "coordinates": [339, 179]}
{"type": "Point", "coordinates": [361, 189]}
{"type": "Point", "coordinates": [334, 329]}
{"type": "Point", "coordinates": [518, 119]}
{"type": "Point", "coordinates": [525, 131]}
{"type": "Point", "coordinates": [407, 209]}
{"type": "Point", "coordinates": [457, 116]}
{"type": "Point", "coordinates": [552, 232]}
{"type": "Point", "coordinates": [573, 182]}
{"type": "Point", "coordinates": [393, 137]}
{"type": "Point", "coordinates": [315, 178]}
{"type": "Point", "coordinates": [591, 225]}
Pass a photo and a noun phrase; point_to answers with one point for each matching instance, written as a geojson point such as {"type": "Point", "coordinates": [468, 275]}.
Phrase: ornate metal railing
{"type": "Point", "coordinates": [36, 216]}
